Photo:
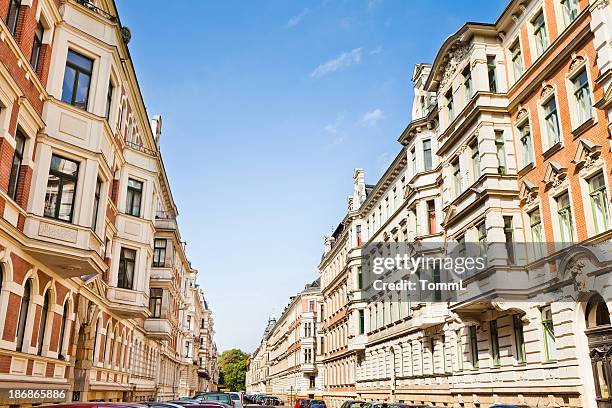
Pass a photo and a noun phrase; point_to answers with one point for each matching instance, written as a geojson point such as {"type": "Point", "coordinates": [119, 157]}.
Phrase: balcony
{"type": "Point", "coordinates": [70, 250]}
{"type": "Point", "coordinates": [308, 368]}
{"type": "Point", "coordinates": [128, 303]}
{"type": "Point", "coordinates": [165, 220]}
{"type": "Point", "coordinates": [158, 328]}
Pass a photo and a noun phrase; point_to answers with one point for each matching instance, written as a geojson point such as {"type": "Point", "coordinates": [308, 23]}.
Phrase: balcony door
{"type": "Point", "coordinates": [599, 334]}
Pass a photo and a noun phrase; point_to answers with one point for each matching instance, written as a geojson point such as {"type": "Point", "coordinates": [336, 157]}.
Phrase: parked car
{"type": "Point", "coordinates": [302, 403]}
{"type": "Point", "coordinates": [259, 398]}
{"type": "Point", "coordinates": [95, 405]}
{"type": "Point", "coordinates": [204, 404]}
{"type": "Point", "coordinates": [353, 404]}
{"type": "Point", "coordinates": [235, 396]}
{"type": "Point", "coordinates": [223, 397]}
{"type": "Point", "coordinates": [317, 404]}
{"type": "Point", "coordinates": [154, 404]}
{"type": "Point", "coordinates": [511, 406]}
{"type": "Point", "coordinates": [270, 400]}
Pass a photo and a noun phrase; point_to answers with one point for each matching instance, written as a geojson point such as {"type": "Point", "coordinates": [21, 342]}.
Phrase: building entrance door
{"type": "Point", "coordinates": [599, 334]}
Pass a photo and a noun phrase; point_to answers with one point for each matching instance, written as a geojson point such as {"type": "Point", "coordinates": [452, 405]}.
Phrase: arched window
{"type": "Point", "coordinates": [60, 348]}
{"type": "Point", "coordinates": [597, 313]}
{"type": "Point", "coordinates": [23, 314]}
{"type": "Point", "coordinates": [43, 323]}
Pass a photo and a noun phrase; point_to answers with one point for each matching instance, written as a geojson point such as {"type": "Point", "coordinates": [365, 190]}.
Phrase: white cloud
{"type": "Point", "coordinates": [372, 117]}
{"type": "Point", "coordinates": [376, 50]}
{"type": "Point", "coordinates": [344, 60]}
{"type": "Point", "coordinates": [335, 129]}
{"type": "Point", "coordinates": [295, 20]}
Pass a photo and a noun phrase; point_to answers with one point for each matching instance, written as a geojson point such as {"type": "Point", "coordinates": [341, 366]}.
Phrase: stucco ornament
{"type": "Point", "coordinates": [575, 270]}
{"type": "Point", "coordinates": [455, 58]}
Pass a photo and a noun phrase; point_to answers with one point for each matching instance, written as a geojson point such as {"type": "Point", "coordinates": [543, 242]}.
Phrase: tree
{"type": "Point", "coordinates": [232, 368]}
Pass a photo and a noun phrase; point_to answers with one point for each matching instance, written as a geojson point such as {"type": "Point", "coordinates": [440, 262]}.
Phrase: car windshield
{"type": "Point", "coordinates": [235, 397]}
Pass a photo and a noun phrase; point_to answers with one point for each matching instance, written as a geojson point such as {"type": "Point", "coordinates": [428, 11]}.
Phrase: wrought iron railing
{"type": "Point", "coordinates": [97, 10]}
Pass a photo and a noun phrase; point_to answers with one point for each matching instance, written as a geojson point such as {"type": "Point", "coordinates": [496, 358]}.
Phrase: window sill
{"type": "Point", "coordinates": [552, 150]}
{"type": "Point", "coordinates": [526, 169]}
{"type": "Point", "coordinates": [589, 123]}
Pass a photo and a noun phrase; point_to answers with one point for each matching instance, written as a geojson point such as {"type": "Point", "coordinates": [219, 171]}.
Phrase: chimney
{"type": "Point", "coordinates": [156, 127]}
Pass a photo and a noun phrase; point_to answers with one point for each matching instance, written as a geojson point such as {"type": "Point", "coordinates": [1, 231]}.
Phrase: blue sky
{"type": "Point", "coordinates": [267, 108]}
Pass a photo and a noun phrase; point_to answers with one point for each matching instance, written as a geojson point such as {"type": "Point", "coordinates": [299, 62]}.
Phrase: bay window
{"type": "Point", "coordinates": [491, 70]}
{"type": "Point", "coordinates": [427, 161]}
{"type": "Point", "coordinates": [134, 197]}
{"type": "Point", "coordinates": [77, 80]}
{"type": "Point", "coordinates": [61, 188]}
{"type": "Point", "coordinates": [500, 148]}
{"type": "Point", "coordinates": [127, 265]}
{"type": "Point", "coordinates": [15, 175]}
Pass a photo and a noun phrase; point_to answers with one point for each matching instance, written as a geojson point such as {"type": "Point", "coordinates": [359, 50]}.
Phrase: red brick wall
{"type": "Point", "coordinates": [10, 323]}
{"type": "Point", "coordinates": [20, 268]}
{"type": "Point", "coordinates": [55, 331]}
{"type": "Point", "coordinates": [5, 364]}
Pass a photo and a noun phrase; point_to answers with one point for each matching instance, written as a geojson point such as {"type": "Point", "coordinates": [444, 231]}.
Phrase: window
{"type": "Point", "coordinates": [359, 278]}
{"type": "Point", "coordinates": [550, 347]}
{"type": "Point", "coordinates": [552, 122]}
{"type": "Point", "coordinates": [564, 212]}
{"type": "Point", "coordinates": [475, 160]}
{"type": "Point", "coordinates": [456, 178]}
{"type": "Point", "coordinates": [482, 239]}
{"type": "Point", "coordinates": [535, 222]}
{"type": "Point", "coordinates": [526, 144]}
{"type": "Point", "coordinates": [361, 322]}
{"type": "Point", "coordinates": [159, 252]}
{"type": "Point", "coordinates": [500, 147]}
{"type": "Point", "coordinates": [94, 214]}
{"type": "Point", "coordinates": [509, 236]}
{"type": "Point", "coordinates": [491, 68]}
{"type": "Point", "coordinates": [23, 314]}
{"type": "Point", "coordinates": [321, 317]}
{"type": "Point", "coordinates": [517, 60]}
{"type": "Point", "coordinates": [599, 202]}
{"type": "Point", "coordinates": [134, 197]}
{"type": "Point", "coordinates": [427, 162]}
{"type": "Point", "coordinates": [437, 295]}
{"type": "Point", "coordinates": [127, 263]}
{"type": "Point", "coordinates": [37, 46]}
{"type": "Point", "coordinates": [519, 339]}
{"type": "Point", "coordinates": [494, 342]}
{"type": "Point", "coordinates": [61, 187]}
{"type": "Point", "coordinates": [473, 346]}
{"type": "Point", "coordinates": [16, 166]}
{"type": "Point", "coordinates": [43, 323]}
{"type": "Point", "coordinates": [64, 322]}
{"type": "Point", "coordinates": [570, 11]}
{"type": "Point", "coordinates": [459, 351]}
{"type": "Point", "coordinates": [467, 83]}
{"type": "Point", "coordinates": [359, 238]}
{"type": "Point", "coordinates": [109, 100]}
{"type": "Point", "coordinates": [450, 106]}
{"type": "Point", "coordinates": [413, 160]}
{"type": "Point", "coordinates": [12, 17]}
{"type": "Point", "coordinates": [431, 216]}
{"type": "Point", "coordinates": [539, 33]}
{"type": "Point", "coordinates": [155, 302]}
{"type": "Point", "coordinates": [582, 94]}
{"type": "Point", "coordinates": [312, 381]}
{"type": "Point", "coordinates": [77, 79]}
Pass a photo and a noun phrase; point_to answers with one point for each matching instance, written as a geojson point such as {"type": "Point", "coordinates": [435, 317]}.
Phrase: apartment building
{"type": "Point", "coordinates": [91, 259]}
{"type": "Point", "coordinates": [509, 144]}
{"type": "Point", "coordinates": [287, 363]}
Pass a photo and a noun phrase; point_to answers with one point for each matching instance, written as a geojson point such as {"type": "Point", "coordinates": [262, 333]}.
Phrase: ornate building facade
{"type": "Point", "coordinates": [508, 148]}
{"type": "Point", "coordinates": [104, 299]}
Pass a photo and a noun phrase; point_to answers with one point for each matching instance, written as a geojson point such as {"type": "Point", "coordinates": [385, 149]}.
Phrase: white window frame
{"type": "Point", "coordinates": [546, 141]}
{"type": "Point", "coordinates": [572, 102]}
